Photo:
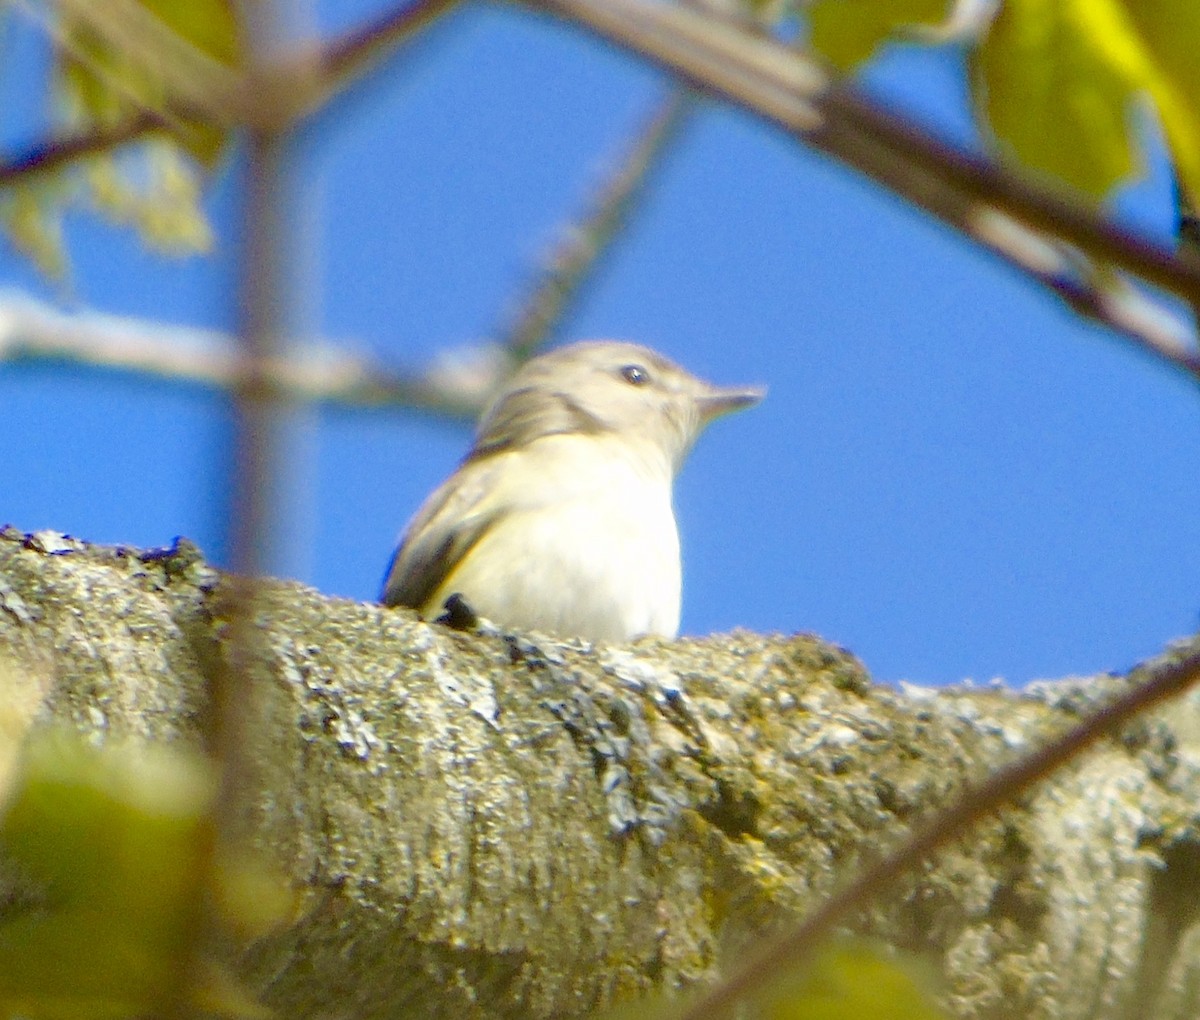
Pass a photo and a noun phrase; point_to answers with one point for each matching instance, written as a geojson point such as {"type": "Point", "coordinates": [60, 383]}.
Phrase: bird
{"type": "Point", "coordinates": [560, 518]}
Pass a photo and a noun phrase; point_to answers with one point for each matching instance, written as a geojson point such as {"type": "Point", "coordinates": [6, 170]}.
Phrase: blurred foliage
{"type": "Point", "coordinates": [1057, 83]}
{"type": "Point", "coordinates": [847, 979]}
{"type": "Point", "coordinates": [111, 850]}
{"type": "Point", "coordinates": [1060, 83]}
{"type": "Point", "coordinates": [853, 980]}
{"type": "Point", "coordinates": [103, 83]}
{"type": "Point", "coordinates": [159, 195]}
{"type": "Point", "coordinates": [153, 184]}
{"type": "Point", "coordinates": [31, 216]}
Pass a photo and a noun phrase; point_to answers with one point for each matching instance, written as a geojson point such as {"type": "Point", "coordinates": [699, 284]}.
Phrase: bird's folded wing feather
{"type": "Point", "coordinates": [454, 518]}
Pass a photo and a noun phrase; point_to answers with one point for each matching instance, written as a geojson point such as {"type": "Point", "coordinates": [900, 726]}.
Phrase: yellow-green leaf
{"type": "Point", "coordinates": [98, 826]}
{"type": "Point", "coordinates": [31, 216]}
{"type": "Point", "coordinates": [101, 81]}
{"type": "Point", "coordinates": [1170, 30]}
{"type": "Point", "coordinates": [1058, 77]}
{"type": "Point", "coordinates": [155, 189]}
{"type": "Point", "coordinates": [209, 25]}
{"type": "Point", "coordinates": [853, 980]}
{"type": "Point", "coordinates": [1058, 80]}
{"type": "Point", "coordinates": [113, 850]}
{"type": "Point", "coordinates": [847, 32]}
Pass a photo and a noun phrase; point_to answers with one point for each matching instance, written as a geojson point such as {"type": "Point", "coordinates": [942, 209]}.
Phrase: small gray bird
{"type": "Point", "coordinates": [560, 517]}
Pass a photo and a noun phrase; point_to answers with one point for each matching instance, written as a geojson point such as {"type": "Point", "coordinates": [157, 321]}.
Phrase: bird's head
{"type": "Point", "coordinates": [607, 387]}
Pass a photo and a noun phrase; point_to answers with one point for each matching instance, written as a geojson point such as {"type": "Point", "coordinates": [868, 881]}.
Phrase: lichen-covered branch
{"type": "Point", "coordinates": [487, 826]}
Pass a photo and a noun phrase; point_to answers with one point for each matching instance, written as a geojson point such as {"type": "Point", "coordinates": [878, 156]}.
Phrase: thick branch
{"type": "Point", "coordinates": [488, 827]}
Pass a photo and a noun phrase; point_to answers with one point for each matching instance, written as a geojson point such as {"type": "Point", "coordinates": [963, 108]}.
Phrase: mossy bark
{"type": "Point", "coordinates": [482, 825]}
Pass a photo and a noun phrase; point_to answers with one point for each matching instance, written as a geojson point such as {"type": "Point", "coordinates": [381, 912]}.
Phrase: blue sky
{"type": "Point", "coordinates": [951, 476]}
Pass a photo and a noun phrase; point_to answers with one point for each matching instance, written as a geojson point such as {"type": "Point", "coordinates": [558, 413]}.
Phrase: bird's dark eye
{"type": "Point", "coordinates": [635, 375]}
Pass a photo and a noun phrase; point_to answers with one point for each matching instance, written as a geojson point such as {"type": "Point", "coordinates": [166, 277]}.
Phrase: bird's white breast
{"type": "Point", "coordinates": [585, 543]}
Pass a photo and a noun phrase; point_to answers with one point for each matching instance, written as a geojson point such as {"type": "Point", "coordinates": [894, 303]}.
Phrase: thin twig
{"type": "Point", "coordinates": [265, 304]}
{"type": "Point", "coordinates": [51, 155]}
{"type": "Point", "coordinates": [325, 375]}
{"type": "Point", "coordinates": [264, 309]}
{"type": "Point", "coordinates": [1188, 231]}
{"type": "Point", "coordinates": [1159, 680]}
{"type": "Point", "coordinates": [976, 182]}
{"type": "Point", "coordinates": [289, 88]}
{"type": "Point", "coordinates": [1050, 261]}
{"type": "Point", "coordinates": [201, 89]}
{"type": "Point", "coordinates": [584, 243]}
{"type": "Point", "coordinates": [349, 57]}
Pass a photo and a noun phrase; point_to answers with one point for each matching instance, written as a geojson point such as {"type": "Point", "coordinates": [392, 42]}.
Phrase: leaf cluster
{"type": "Point", "coordinates": [109, 70]}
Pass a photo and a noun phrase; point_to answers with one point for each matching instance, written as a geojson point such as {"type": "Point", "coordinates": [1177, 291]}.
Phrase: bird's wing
{"type": "Point", "coordinates": [452, 520]}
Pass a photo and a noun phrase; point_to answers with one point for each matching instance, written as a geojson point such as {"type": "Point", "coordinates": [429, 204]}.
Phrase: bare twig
{"type": "Point", "coordinates": [349, 57]}
{"type": "Point", "coordinates": [1156, 681]}
{"type": "Point", "coordinates": [54, 154]}
{"type": "Point", "coordinates": [1105, 298]}
{"type": "Point", "coordinates": [584, 243]}
{"type": "Point", "coordinates": [265, 308]}
{"type": "Point", "coordinates": [327, 375]}
{"type": "Point", "coordinates": [1188, 231]}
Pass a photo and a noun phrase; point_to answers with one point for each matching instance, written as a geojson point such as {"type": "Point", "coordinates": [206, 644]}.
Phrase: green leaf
{"type": "Point", "coordinates": [155, 189]}
{"type": "Point", "coordinates": [847, 32]}
{"type": "Point", "coordinates": [112, 825]}
{"type": "Point", "coordinates": [209, 25]}
{"type": "Point", "coordinates": [152, 186]}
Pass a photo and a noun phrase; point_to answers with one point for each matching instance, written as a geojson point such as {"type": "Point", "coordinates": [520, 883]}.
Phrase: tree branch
{"type": "Point", "coordinates": [347, 58]}
{"type": "Point", "coordinates": [793, 92]}
{"type": "Point", "coordinates": [32, 333]}
{"type": "Point", "coordinates": [1106, 298]}
{"type": "Point", "coordinates": [51, 155]}
{"type": "Point", "coordinates": [1154, 682]}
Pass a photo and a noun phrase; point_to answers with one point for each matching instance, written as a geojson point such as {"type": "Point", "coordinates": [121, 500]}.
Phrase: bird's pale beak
{"type": "Point", "coordinates": [718, 400]}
